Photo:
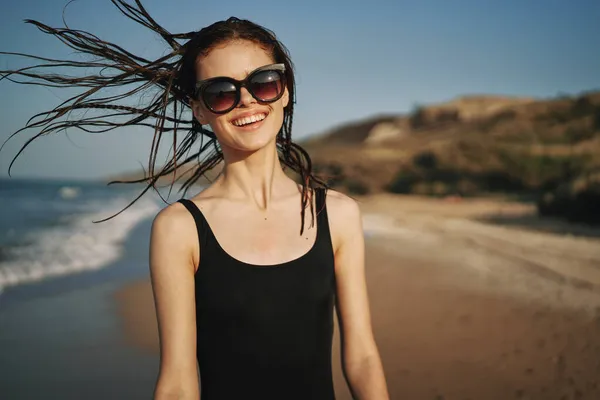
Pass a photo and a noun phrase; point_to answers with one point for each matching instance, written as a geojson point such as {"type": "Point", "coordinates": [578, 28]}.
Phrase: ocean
{"type": "Point", "coordinates": [48, 229]}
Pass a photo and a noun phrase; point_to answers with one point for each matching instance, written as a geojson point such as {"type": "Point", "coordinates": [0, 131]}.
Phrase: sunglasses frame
{"type": "Point", "coordinates": [203, 84]}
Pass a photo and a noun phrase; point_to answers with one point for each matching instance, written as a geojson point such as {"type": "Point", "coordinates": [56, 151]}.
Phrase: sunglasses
{"type": "Point", "coordinates": [222, 94]}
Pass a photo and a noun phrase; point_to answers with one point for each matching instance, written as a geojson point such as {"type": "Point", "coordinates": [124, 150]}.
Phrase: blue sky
{"type": "Point", "coordinates": [354, 59]}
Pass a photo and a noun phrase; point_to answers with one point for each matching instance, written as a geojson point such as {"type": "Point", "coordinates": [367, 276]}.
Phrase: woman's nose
{"type": "Point", "coordinates": [246, 98]}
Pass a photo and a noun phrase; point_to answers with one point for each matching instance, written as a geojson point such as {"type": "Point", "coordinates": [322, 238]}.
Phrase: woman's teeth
{"type": "Point", "coordinates": [249, 120]}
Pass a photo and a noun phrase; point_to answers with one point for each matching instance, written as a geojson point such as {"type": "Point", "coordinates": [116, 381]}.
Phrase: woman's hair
{"type": "Point", "coordinates": [105, 100]}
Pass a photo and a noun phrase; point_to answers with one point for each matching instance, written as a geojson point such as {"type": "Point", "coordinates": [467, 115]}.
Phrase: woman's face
{"type": "Point", "coordinates": [236, 60]}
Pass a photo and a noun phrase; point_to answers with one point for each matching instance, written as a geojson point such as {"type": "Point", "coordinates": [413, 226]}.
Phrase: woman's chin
{"type": "Point", "coordinates": [251, 142]}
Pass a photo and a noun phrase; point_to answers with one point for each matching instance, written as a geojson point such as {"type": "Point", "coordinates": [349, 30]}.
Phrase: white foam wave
{"type": "Point", "coordinates": [78, 246]}
{"type": "Point", "coordinates": [69, 192]}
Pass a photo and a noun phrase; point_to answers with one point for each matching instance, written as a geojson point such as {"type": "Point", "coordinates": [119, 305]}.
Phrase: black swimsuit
{"type": "Point", "coordinates": [265, 332]}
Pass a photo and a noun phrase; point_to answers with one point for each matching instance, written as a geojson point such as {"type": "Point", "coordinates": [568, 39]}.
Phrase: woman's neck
{"type": "Point", "coordinates": [256, 177]}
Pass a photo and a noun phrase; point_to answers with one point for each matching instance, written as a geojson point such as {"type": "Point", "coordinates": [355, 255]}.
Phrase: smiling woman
{"type": "Point", "coordinates": [244, 282]}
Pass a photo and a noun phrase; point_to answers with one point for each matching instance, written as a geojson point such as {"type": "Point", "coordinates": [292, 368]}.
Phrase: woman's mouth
{"type": "Point", "coordinates": [251, 121]}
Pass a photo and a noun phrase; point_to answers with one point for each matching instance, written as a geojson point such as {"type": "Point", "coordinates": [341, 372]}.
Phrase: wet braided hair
{"type": "Point", "coordinates": [169, 79]}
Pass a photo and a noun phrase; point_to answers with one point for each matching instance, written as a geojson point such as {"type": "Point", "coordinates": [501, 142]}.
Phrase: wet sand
{"type": "Point", "coordinates": [464, 309]}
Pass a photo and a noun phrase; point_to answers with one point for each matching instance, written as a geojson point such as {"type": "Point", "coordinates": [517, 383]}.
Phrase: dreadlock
{"type": "Point", "coordinates": [170, 79]}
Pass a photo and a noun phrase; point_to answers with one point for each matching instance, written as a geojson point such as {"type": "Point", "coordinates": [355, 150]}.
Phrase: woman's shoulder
{"type": "Point", "coordinates": [173, 223]}
{"type": "Point", "coordinates": [341, 206]}
{"type": "Point", "coordinates": [344, 217]}
{"type": "Point", "coordinates": [177, 219]}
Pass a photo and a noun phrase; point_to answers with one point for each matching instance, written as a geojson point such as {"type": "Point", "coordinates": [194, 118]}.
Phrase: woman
{"type": "Point", "coordinates": [236, 283]}
{"type": "Point", "coordinates": [244, 279]}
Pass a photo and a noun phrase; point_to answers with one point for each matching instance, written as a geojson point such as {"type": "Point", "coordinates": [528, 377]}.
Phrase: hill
{"type": "Point", "coordinates": [547, 150]}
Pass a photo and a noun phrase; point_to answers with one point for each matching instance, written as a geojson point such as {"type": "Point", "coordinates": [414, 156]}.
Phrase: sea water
{"type": "Point", "coordinates": [48, 227]}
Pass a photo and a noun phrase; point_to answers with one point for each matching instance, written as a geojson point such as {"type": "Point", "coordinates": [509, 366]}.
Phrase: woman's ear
{"type": "Point", "coordinates": [198, 111]}
{"type": "Point", "coordinates": [285, 98]}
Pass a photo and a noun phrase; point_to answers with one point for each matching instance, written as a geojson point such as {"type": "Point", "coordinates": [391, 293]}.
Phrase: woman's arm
{"type": "Point", "coordinates": [172, 273]}
{"type": "Point", "coordinates": [360, 357]}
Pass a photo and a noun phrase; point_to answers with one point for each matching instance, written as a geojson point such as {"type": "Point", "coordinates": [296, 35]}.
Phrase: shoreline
{"type": "Point", "coordinates": [63, 338]}
{"type": "Point", "coordinates": [465, 320]}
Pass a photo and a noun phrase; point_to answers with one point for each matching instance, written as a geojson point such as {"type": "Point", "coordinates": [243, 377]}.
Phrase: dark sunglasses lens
{"type": "Point", "coordinates": [267, 85]}
{"type": "Point", "coordinates": [220, 96]}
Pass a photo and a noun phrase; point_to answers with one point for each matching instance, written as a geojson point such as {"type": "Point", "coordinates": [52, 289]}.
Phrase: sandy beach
{"type": "Point", "coordinates": [470, 299]}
